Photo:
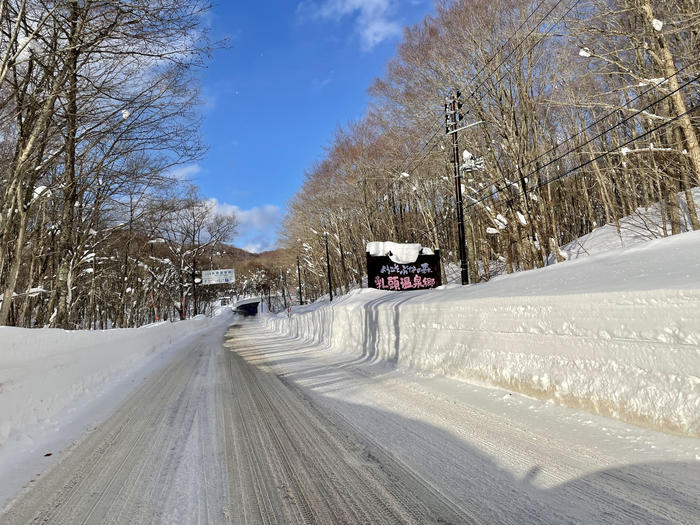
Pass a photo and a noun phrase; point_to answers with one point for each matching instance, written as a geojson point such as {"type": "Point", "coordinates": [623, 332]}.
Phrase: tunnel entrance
{"type": "Point", "coordinates": [247, 309]}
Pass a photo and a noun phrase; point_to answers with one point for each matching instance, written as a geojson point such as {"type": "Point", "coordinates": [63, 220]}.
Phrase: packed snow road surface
{"type": "Point", "coordinates": [212, 438]}
{"type": "Point", "coordinates": [495, 454]}
{"type": "Point", "coordinates": [268, 429]}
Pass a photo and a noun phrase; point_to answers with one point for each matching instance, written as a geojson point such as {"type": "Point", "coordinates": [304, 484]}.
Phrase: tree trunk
{"type": "Point", "coordinates": [66, 248]}
{"type": "Point", "coordinates": [665, 60]}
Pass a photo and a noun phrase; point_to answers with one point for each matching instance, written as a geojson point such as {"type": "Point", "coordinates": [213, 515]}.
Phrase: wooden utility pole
{"type": "Point", "coordinates": [299, 275]}
{"type": "Point", "coordinates": [452, 120]}
{"type": "Point", "coordinates": [328, 268]}
{"type": "Point", "coordinates": [194, 286]}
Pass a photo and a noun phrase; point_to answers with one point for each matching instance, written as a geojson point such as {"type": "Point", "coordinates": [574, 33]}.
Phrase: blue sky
{"type": "Point", "coordinates": [294, 71]}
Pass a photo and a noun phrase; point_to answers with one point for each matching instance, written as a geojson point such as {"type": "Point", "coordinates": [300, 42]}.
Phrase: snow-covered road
{"type": "Point", "coordinates": [211, 438]}
{"type": "Point", "coordinates": [496, 455]}
{"type": "Point", "coordinates": [269, 430]}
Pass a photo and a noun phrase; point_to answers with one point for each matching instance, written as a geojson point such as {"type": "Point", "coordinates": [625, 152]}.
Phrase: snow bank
{"type": "Point", "coordinates": [398, 253]}
{"type": "Point", "coordinates": [617, 334]}
{"type": "Point", "coordinates": [46, 371]}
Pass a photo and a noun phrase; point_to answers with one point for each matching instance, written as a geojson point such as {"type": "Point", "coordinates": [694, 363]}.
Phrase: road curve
{"type": "Point", "coordinates": [213, 438]}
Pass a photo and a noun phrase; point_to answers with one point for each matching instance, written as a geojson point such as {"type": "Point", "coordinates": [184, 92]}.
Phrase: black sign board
{"type": "Point", "coordinates": [385, 274]}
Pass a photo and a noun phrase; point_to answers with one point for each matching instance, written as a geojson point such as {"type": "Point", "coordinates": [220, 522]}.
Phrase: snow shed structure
{"type": "Point", "coordinates": [247, 307]}
{"type": "Point", "coordinates": [400, 267]}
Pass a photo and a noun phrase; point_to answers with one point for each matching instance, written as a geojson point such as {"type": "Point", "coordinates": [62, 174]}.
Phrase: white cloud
{"type": "Point", "coordinates": [257, 226]}
{"type": "Point", "coordinates": [209, 100]}
{"type": "Point", "coordinates": [378, 30]}
{"type": "Point", "coordinates": [185, 172]}
{"type": "Point", "coordinates": [374, 19]}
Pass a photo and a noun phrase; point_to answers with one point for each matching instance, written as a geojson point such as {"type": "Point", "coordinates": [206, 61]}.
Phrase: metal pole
{"type": "Point", "coordinates": [299, 274]}
{"type": "Point", "coordinates": [328, 268]}
{"type": "Point", "coordinates": [463, 261]}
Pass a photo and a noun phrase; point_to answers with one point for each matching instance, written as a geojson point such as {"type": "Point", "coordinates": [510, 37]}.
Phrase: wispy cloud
{"type": "Point", "coordinates": [257, 226]}
{"type": "Point", "coordinates": [321, 83]}
{"type": "Point", "coordinates": [209, 100]}
{"type": "Point", "coordinates": [185, 172]}
{"type": "Point", "coordinates": [375, 20]}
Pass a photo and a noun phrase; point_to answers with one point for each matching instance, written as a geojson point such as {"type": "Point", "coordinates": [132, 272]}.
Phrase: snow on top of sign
{"type": "Point", "coordinates": [398, 253]}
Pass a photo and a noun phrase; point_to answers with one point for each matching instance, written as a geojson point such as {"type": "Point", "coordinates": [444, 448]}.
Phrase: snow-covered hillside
{"type": "Point", "coordinates": [643, 225]}
{"type": "Point", "coordinates": [616, 333]}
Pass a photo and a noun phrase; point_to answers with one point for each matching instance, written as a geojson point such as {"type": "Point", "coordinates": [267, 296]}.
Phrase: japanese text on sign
{"type": "Point", "coordinates": [218, 276]}
{"type": "Point", "coordinates": [422, 274]}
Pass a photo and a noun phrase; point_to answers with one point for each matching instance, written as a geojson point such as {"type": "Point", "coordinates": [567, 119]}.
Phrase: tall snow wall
{"type": "Point", "coordinates": [628, 354]}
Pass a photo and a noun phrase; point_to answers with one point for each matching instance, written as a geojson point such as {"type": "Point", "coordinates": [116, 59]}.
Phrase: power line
{"type": "Point", "coordinates": [606, 153]}
{"type": "Point", "coordinates": [523, 40]}
{"type": "Point", "coordinates": [586, 163]}
{"type": "Point", "coordinates": [548, 181]}
{"type": "Point", "coordinates": [545, 182]}
{"type": "Point", "coordinates": [609, 129]}
{"type": "Point", "coordinates": [599, 120]}
{"type": "Point", "coordinates": [419, 160]}
{"type": "Point", "coordinates": [509, 39]}
{"type": "Point", "coordinates": [457, 117]}
{"type": "Point", "coordinates": [407, 167]}
{"type": "Point", "coordinates": [535, 44]}
{"type": "Point", "coordinates": [425, 156]}
{"type": "Point", "coordinates": [500, 49]}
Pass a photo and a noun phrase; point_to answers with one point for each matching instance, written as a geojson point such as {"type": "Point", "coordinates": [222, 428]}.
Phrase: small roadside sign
{"type": "Point", "coordinates": [224, 276]}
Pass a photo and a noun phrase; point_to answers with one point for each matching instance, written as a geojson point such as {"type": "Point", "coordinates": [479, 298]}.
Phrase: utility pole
{"type": "Point", "coordinates": [299, 274]}
{"type": "Point", "coordinates": [194, 287]}
{"type": "Point", "coordinates": [328, 268]}
{"type": "Point", "coordinates": [453, 116]}
{"type": "Point", "coordinates": [283, 282]}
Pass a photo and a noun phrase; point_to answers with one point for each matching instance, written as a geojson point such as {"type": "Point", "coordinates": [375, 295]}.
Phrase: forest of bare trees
{"type": "Point", "coordinates": [589, 110]}
{"type": "Point", "coordinates": [97, 106]}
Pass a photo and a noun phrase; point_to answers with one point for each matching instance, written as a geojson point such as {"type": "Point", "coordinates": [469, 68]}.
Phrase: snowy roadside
{"type": "Point", "coordinates": [616, 334]}
{"type": "Point", "coordinates": [54, 384]}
